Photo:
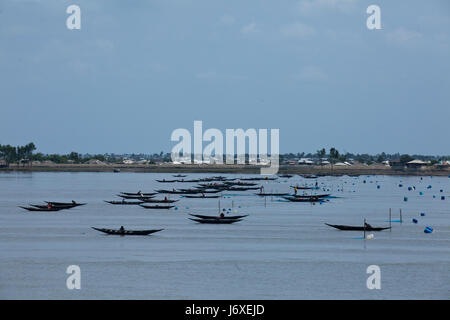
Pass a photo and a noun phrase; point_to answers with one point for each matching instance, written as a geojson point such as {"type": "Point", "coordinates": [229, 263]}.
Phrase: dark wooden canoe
{"type": "Point", "coordinates": [216, 217]}
{"type": "Point", "coordinates": [144, 194]}
{"type": "Point", "coordinates": [201, 197]}
{"type": "Point", "coordinates": [216, 221]}
{"type": "Point", "coordinates": [41, 209]}
{"type": "Point", "coordinates": [357, 228]}
{"type": "Point", "coordinates": [60, 206]}
{"type": "Point", "coordinates": [159, 201]}
{"type": "Point", "coordinates": [311, 196]}
{"type": "Point", "coordinates": [135, 197]}
{"type": "Point", "coordinates": [127, 232]}
{"type": "Point", "coordinates": [298, 199]}
{"type": "Point", "coordinates": [124, 202]}
{"type": "Point", "coordinates": [156, 207]}
{"type": "Point", "coordinates": [262, 194]}
{"type": "Point", "coordinates": [76, 204]}
{"type": "Point", "coordinates": [168, 181]}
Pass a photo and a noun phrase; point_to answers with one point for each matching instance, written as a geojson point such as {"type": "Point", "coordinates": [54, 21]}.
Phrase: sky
{"type": "Point", "coordinates": [137, 70]}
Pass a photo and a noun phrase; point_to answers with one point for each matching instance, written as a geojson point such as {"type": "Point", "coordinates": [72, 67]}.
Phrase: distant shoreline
{"type": "Point", "coordinates": [242, 169]}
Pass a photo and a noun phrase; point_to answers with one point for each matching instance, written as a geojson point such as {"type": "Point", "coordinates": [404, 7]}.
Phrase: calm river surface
{"type": "Point", "coordinates": [282, 250]}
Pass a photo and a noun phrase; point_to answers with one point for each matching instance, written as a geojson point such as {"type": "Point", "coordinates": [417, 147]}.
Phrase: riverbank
{"type": "Point", "coordinates": [357, 169]}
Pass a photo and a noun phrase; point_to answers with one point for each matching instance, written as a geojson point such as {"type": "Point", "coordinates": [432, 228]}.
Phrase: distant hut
{"type": "Point", "coordinates": [416, 164]}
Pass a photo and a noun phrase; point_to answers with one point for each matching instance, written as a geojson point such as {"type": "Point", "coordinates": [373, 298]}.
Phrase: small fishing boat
{"type": "Point", "coordinates": [241, 188]}
{"type": "Point", "coordinates": [367, 227]}
{"type": "Point", "coordinates": [127, 232]}
{"type": "Point", "coordinates": [45, 206]}
{"type": "Point", "coordinates": [179, 175]}
{"type": "Point", "coordinates": [301, 187]}
{"type": "Point", "coordinates": [156, 207]}
{"type": "Point", "coordinates": [263, 194]}
{"type": "Point", "coordinates": [216, 221]}
{"type": "Point", "coordinates": [201, 197]}
{"type": "Point", "coordinates": [41, 209]}
{"type": "Point", "coordinates": [169, 181]}
{"type": "Point", "coordinates": [123, 202]}
{"type": "Point", "coordinates": [134, 197]}
{"type": "Point", "coordinates": [139, 194]}
{"type": "Point", "coordinates": [73, 203]}
{"type": "Point", "coordinates": [308, 199]}
{"type": "Point", "coordinates": [310, 195]}
{"type": "Point", "coordinates": [285, 175]}
{"type": "Point", "coordinates": [158, 201]}
{"type": "Point", "coordinates": [216, 217]}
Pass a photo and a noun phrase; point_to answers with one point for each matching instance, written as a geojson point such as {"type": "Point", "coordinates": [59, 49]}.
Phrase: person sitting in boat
{"type": "Point", "coordinates": [203, 194]}
{"type": "Point", "coordinates": [122, 229]}
{"type": "Point", "coordinates": [165, 199]}
{"type": "Point", "coordinates": [368, 226]}
{"type": "Point", "coordinates": [73, 202]}
{"type": "Point", "coordinates": [295, 190]}
{"type": "Point", "coordinates": [140, 193]}
{"type": "Point", "coordinates": [221, 215]}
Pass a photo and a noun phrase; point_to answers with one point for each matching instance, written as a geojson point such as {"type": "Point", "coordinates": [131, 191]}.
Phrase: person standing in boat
{"type": "Point", "coordinates": [295, 190]}
{"type": "Point", "coordinates": [122, 229]}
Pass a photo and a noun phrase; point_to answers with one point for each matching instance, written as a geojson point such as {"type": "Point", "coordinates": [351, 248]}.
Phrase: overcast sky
{"type": "Point", "coordinates": [137, 70]}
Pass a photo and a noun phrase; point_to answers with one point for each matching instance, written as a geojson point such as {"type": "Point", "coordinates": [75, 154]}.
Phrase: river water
{"type": "Point", "coordinates": [282, 250]}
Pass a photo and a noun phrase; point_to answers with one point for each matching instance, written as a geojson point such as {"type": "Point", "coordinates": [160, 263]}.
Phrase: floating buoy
{"type": "Point", "coordinates": [378, 187]}
{"type": "Point", "coordinates": [421, 193]}
{"type": "Point", "coordinates": [400, 185]}
{"type": "Point", "coordinates": [370, 236]}
{"type": "Point", "coordinates": [405, 199]}
{"type": "Point", "coordinates": [428, 230]}
{"type": "Point", "coordinates": [429, 187]}
{"type": "Point", "coordinates": [422, 214]}
{"type": "Point", "coordinates": [414, 220]}
{"type": "Point", "coordinates": [441, 190]}
{"type": "Point", "coordinates": [176, 208]}
{"type": "Point", "coordinates": [443, 198]}
{"type": "Point", "coordinates": [364, 181]}
{"type": "Point", "coordinates": [409, 188]}
{"type": "Point", "coordinates": [434, 196]}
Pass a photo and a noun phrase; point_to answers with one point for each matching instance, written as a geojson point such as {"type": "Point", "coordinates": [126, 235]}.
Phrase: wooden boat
{"type": "Point", "coordinates": [241, 188]}
{"type": "Point", "coordinates": [158, 201]}
{"type": "Point", "coordinates": [135, 197]}
{"type": "Point", "coordinates": [201, 197]}
{"type": "Point", "coordinates": [73, 203]}
{"type": "Point", "coordinates": [169, 181]}
{"type": "Point", "coordinates": [301, 188]}
{"type": "Point", "coordinates": [179, 191]}
{"type": "Point", "coordinates": [309, 176]}
{"type": "Point", "coordinates": [139, 194]}
{"type": "Point", "coordinates": [298, 199]}
{"type": "Point", "coordinates": [285, 175]}
{"type": "Point", "coordinates": [41, 209]}
{"type": "Point", "coordinates": [179, 175]}
{"type": "Point", "coordinates": [258, 179]}
{"type": "Point", "coordinates": [216, 217]}
{"type": "Point", "coordinates": [43, 206]}
{"type": "Point", "coordinates": [123, 202]}
{"type": "Point", "coordinates": [368, 227]}
{"type": "Point", "coordinates": [311, 195]}
{"type": "Point", "coordinates": [156, 207]}
{"type": "Point", "coordinates": [216, 221]}
{"type": "Point", "coordinates": [262, 194]}
{"type": "Point", "coordinates": [127, 232]}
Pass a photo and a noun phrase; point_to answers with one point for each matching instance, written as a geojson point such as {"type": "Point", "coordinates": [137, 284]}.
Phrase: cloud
{"type": "Point", "coordinates": [249, 28]}
{"type": "Point", "coordinates": [311, 74]}
{"type": "Point", "coordinates": [297, 30]}
{"type": "Point", "coordinates": [402, 36]}
{"type": "Point", "coordinates": [311, 6]}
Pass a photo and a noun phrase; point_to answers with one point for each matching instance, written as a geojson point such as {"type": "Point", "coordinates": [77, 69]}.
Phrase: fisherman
{"type": "Point", "coordinates": [140, 193]}
{"type": "Point", "coordinates": [368, 226]}
{"type": "Point", "coordinates": [295, 190]}
{"type": "Point", "coordinates": [165, 199]}
{"type": "Point", "coordinates": [221, 215]}
{"type": "Point", "coordinates": [122, 229]}
{"type": "Point", "coordinates": [73, 202]}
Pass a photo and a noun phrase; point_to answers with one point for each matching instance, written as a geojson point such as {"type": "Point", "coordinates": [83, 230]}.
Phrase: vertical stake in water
{"type": "Point", "coordinates": [364, 228]}
{"type": "Point", "coordinates": [390, 219]}
{"type": "Point", "coordinates": [219, 206]}
{"type": "Point", "coordinates": [401, 219]}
